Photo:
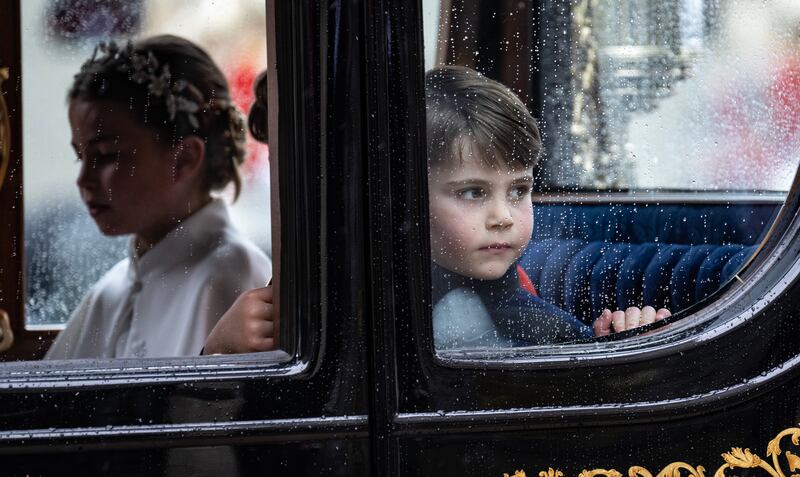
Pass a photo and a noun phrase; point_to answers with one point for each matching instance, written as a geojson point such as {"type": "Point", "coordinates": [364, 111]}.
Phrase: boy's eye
{"type": "Point", "coordinates": [519, 192]}
{"type": "Point", "coordinates": [472, 193]}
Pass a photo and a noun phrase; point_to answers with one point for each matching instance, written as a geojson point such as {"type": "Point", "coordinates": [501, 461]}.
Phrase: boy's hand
{"type": "Point", "coordinates": [247, 327]}
{"type": "Point", "coordinates": [633, 317]}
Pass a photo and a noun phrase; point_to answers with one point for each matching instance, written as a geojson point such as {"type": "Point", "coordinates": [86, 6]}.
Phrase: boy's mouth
{"type": "Point", "coordinates": [496, 246]}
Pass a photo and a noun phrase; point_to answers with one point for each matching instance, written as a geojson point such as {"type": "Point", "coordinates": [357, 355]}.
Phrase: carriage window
{"type": "Point", "coordinates": [596, 168]}
{"type": "Point", "coordinates": [80, 214]}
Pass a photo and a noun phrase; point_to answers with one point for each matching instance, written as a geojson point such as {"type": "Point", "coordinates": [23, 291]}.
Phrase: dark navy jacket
{"type": "Point", "coordinates": [470, 313]}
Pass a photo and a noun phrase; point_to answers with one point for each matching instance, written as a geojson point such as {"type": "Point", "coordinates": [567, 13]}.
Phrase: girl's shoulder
{"type": "Point", "coordinates": [234, 249]}
{"type": "Point", "coordinates": [116, 278]}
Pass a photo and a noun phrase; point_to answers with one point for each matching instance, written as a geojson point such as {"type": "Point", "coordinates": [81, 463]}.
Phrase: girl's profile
{"type": "Point", "coordinates": [156, 133]}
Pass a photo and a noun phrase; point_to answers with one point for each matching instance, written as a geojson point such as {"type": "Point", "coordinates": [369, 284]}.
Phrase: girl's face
{"type": "Point", "coordinates": [481, 216]}
{"type": "Point", "coordinates": [128, 180]}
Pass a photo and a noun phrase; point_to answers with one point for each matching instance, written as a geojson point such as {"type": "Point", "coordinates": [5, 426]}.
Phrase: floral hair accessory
{"type": "Point", "coordinates": [179, 96]}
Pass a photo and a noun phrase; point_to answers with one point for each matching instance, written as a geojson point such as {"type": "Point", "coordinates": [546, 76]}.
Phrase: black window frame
{"type": "Point", "coordinates": [285, 361]}
{"type": "Point", "coordinates": [553, 37]}
{"type": "Point", "coordinates": [316, 379]}
{"type": "Point", "coordinates": [421, 384]}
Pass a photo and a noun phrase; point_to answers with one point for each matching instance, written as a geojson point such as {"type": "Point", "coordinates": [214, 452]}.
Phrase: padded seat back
{"type": "Point", "coordinates": [587, 257]}
{"type": "Point", "coordinates": [585, 277]}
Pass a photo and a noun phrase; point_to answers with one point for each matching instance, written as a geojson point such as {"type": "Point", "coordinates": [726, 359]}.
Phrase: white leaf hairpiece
{"type": "Point", "coordinates": [144, 69]}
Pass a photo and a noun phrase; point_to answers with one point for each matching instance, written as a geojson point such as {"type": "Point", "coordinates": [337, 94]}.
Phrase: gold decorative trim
{"type": "Point", "coordinates": [736, 458]}
{"type": "Point", "coordinates": [5, 131]}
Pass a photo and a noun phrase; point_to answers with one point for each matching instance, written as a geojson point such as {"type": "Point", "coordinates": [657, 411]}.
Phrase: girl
{"type": "Point", "coordinates": [155, 131]}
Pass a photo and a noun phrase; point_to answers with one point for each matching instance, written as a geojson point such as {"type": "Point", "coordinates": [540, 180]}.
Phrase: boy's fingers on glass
{"type": "Point", "coordinates": [663, 313]}
{"type": "Point", "coordinates": [618, 321]}
{"type": "Point", "coordinates": [602, 325]}
{"type": "Point", "coordinates": [648, 315]}
{"type": "Point", "coordinates": [633, 316]}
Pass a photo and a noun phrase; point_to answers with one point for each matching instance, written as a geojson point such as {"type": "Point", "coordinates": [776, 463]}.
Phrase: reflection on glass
{"type": "Point", "coordinates": [711, 83]}
{"type": "Point", "coordinates": [685, 107]}
{"type": "Point", "coordinates": [65, 254]}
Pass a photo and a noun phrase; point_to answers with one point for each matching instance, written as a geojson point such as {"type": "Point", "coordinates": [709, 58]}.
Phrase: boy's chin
{"type": "Point", "coordinates": [488, 275]}
{"type": "Point", "coordinates": [485, 273]}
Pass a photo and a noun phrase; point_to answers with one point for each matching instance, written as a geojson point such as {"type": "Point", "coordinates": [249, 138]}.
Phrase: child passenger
{"type": "Point", "coordinates": [155, 131]}
{"type": "Point", "coordinates": [482, 147]}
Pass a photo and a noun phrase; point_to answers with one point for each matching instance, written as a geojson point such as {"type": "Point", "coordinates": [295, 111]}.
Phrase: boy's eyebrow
{"type": "Point", "coordinates": [461, 182]}
{"type": "Point", "coordinates": [480, 181]}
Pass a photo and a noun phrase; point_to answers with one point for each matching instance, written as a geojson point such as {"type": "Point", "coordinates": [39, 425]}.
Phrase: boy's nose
{"type": "Point", "coordinates": [499, 216]}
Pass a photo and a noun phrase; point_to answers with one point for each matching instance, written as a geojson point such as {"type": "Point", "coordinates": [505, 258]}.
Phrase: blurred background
{"type": "Point", "coordinates": [641, 94]}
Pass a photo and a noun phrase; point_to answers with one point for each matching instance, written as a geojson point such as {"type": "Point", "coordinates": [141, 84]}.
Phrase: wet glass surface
{"type": "Point", "coordinates": [65, 253]}
{"type": "Point", "coordinates": [670, 140]}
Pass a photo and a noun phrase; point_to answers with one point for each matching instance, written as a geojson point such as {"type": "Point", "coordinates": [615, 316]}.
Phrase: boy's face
{"type": "Point", "coordinates": [481, 216]}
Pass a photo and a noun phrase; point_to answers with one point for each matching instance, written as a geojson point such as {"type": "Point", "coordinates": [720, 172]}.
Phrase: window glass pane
{"type": "Point", "coordinates": [702, 83]}
{"type": "Point", "coordinates": [65, 252]}
{"type": "Point", "coordinates": [668, 142]}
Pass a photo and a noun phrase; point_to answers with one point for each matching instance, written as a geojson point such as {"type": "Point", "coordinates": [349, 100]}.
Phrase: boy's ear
{"type": "Point", "coordinates": [189, 155]}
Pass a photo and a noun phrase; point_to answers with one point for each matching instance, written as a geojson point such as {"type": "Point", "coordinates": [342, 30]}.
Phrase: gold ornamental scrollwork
{"type": "Point", "coordinates": [737, 458]}
{"type": "Point", "coordinates": [602, 472]}
{"type": "Point", "coordinates": [5, 131]}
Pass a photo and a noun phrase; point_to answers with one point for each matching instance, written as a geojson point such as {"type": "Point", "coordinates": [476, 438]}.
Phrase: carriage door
{"type": "Point", "coordinates": [297, 410]}
{"type": "Point", "coordinates": [18, 341]}
{"type": "Point", "coordinates": [668, 179]}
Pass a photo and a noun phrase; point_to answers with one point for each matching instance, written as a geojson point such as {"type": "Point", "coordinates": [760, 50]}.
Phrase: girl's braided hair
{"type": "Point", "coordinates": [174, 88]}
{"type": "Point", "coordinates": [257, 119]}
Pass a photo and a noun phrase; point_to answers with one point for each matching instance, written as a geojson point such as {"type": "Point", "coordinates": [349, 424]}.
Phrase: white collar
{"type": "Point", "coordinates": [190, 238]}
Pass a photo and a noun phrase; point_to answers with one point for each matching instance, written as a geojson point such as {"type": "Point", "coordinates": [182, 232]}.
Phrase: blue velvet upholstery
{"type": "Point", "coordinates": [658, 274]}
{"type": "Point", "coordinates": [605, 275]}
{"type": "Point", "coordinates": [584, 258]}
{"type": "Point", "coordinates": [577, 280]}
{"type": "Point", "coordinates": [736, 262]}
{"type": "Point", "coordinates": [684, 276]}
{"type": "Point", "coordinates": [535, 256]}
{"type": "Point", "coordinates": [710, 272]}
{"type": "Point", "coordinates": [687, 224]}
{"type": "Point", "coordinates": [555, 269]}
{"type": "Point", "coordinates": [631, 276]}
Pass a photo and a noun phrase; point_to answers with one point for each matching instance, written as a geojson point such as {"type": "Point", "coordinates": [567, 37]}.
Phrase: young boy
{"type": "Point", "coordinates": [482, 147]}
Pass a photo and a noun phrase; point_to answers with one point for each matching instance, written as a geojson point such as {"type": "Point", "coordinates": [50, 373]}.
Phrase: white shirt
{"type": "Point", "coordinates": [166, 302]}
